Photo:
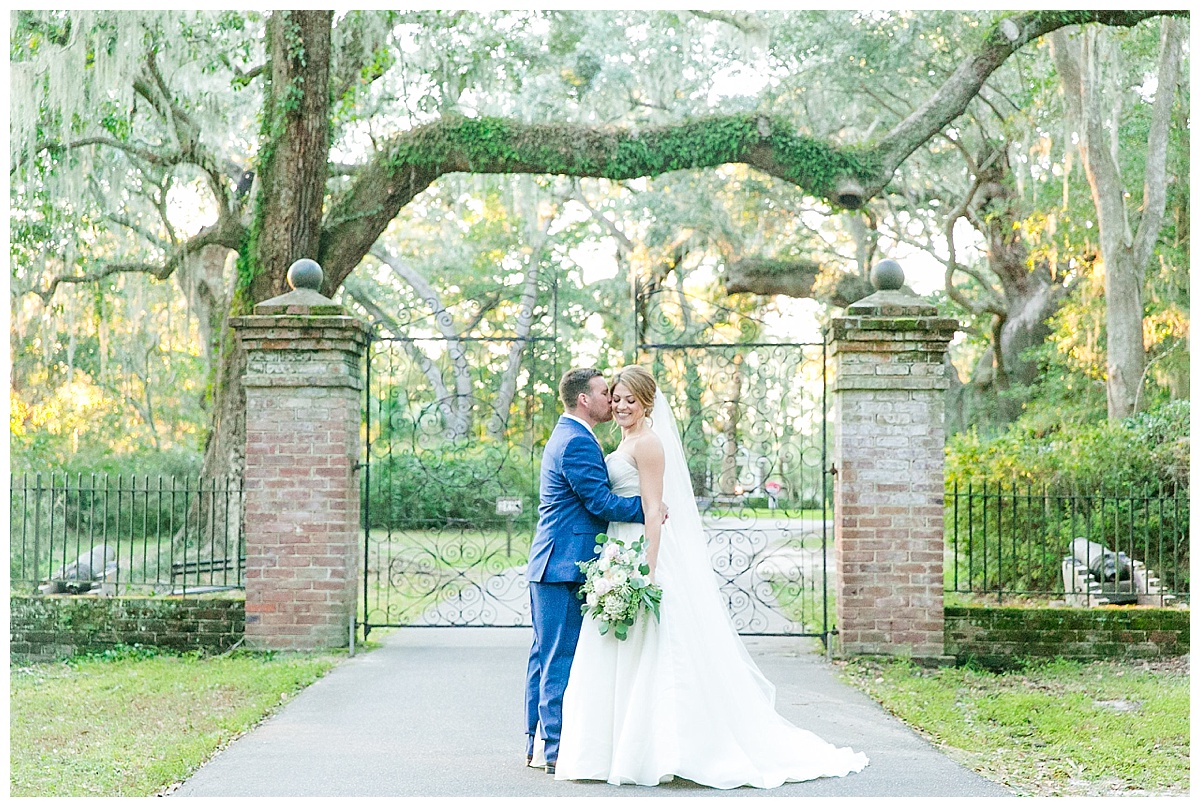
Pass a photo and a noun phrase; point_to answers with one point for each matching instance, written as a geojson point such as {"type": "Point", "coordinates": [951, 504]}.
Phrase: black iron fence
{"type": "Point", "coordinates": [1123, 545]}
{"type": "Point", "coordinates": [124, 535]}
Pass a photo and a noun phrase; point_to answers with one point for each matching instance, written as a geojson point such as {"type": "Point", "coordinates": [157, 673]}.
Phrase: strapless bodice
{"type": "Point", "coordinates": [623, 475]}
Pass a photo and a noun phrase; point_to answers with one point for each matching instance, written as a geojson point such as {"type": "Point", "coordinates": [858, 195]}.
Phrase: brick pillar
{"type": "Point", "coordinates": [301, 502]}
{"type": "Point", "coordinates": [889, 413]}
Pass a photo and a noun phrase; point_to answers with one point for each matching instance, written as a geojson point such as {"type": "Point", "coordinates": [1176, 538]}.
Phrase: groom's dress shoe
{"type": "Point", "coordinates": [529, 761]}
{"type": "Point", "coordinates": [550, 768]}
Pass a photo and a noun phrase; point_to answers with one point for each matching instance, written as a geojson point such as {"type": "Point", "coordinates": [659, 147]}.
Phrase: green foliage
{"type": "Point", "coordinates": [123, 652]}
{"type": "Point", "coordinates": [1144, 450]}
{"type": "Point", "coordinates": [106, 381]}
{"type": "Point", "coordinates": [457, 488]}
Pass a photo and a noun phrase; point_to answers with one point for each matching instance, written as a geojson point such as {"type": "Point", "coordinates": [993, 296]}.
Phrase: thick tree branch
{"type": "Point", "coordinates": [1011, 34]}
{"type": "Point", "coordinates": [793, 278]}
{"type": "Point", "coordinates": [744, 21]}
{"type": "Point", "coordinates": [990, 303]}
{"type": "Point", "coordinates": [413, 160]}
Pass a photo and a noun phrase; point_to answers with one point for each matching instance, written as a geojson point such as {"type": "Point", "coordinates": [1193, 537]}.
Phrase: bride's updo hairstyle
{"type": "Point", "coordinates": [640, 383]}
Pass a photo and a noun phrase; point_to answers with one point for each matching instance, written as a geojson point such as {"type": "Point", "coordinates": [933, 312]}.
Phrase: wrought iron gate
{"type": "Point", "coordinates": [754, 417]}
{"type": "Point", "coordinates": [450, 487]}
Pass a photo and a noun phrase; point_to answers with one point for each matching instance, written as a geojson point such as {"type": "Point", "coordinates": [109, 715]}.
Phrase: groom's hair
{"type": "Point", "coordinates": [574, 383]}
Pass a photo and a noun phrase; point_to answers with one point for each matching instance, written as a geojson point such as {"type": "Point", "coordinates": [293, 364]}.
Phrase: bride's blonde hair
{"type": "Point", "coordinates": [640, 383]}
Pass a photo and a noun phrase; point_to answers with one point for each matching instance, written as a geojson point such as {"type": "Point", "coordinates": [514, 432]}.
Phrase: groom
{"type": "Point", "coordinates": [576, 504]}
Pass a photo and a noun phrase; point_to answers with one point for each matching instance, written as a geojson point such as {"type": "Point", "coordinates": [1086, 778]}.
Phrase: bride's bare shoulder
{"type": "Point", "coordinates": [648, 446]}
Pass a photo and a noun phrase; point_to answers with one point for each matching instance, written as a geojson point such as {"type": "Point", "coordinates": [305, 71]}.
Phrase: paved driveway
{"type": "Point", "coordinates": [438, 712]}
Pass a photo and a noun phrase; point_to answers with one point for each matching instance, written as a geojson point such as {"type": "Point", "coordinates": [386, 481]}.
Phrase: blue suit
{"type": "Point", "coordinates": [576, 505]}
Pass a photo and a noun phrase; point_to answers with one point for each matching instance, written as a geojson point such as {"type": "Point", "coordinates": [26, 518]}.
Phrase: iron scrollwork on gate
{"type": "Point", "coordinates": [450, 487]}
{"type": "Point", "coordinates": [754, 421]}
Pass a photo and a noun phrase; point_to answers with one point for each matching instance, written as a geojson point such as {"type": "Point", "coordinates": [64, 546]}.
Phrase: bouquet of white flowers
{"type": "Point", "coordinates": [618, 585]}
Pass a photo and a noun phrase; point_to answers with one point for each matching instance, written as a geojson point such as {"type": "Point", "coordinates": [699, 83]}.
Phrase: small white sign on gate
{"type": "Point", "coordinates": [509, 505]}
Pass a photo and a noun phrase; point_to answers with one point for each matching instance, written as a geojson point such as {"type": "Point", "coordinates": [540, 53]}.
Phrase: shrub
{"type": "Point", "coordinates": [1123, 485]}
{"type": "Point", "coordinates": [1143, 451]}
{"type": "Point", "coordinates": [451, 487]}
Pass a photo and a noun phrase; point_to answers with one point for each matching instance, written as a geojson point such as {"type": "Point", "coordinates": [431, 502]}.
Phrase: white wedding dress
{"type": "Point", "coordinates": [680, 697]}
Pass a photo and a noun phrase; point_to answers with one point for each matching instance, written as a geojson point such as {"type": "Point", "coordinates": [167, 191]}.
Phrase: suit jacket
{"type": "Point", "coordinates": [576, 505]}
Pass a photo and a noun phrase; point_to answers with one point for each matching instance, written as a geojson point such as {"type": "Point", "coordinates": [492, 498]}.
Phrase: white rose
{"type": "Point", "coordinates": [611, 550]}
{"type": "Point", "coordinates": [601, 587]}
{"type": "Point", "coordinates": [619, 577]}
{"type": "Point", "coordinates": [592, 599]}
{"type": "Point", "coordinates": [603, 564]}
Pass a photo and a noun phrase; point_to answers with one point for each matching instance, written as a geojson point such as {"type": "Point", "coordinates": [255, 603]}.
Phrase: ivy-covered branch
{"type": "Point", "coordinates": [847, 176]}
{"type": "Point", "coordinates": [496, 146]}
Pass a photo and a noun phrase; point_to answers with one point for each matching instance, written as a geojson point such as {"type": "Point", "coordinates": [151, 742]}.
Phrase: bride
{"type": "Point", "coordinates": [680, 696]}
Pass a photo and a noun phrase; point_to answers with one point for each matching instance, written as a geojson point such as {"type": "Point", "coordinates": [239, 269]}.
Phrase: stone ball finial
{"type": "Point", "coordinates": [305, 274]}
{"type": "Point", "coordinates": [887, 276]}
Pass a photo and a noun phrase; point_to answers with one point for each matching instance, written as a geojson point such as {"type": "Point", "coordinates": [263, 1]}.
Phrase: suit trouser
{"type": "Point", "coordinates": [557, 618]}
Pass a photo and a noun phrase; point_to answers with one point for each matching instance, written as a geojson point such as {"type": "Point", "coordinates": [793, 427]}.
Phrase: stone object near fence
{"type": "Point", "coordinates": [1093, 575]}
{"type": "Point", "coordinates": [96, 569]}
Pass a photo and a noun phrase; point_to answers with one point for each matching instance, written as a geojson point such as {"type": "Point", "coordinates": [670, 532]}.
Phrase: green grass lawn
{"type": "Point", "coordinates": [135, 723]}
{"type": "Point", "coordinates": [1060, 728]}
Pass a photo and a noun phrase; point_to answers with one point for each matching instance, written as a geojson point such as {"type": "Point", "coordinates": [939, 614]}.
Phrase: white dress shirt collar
{"type": "Point", "coordinates": [581, 420]}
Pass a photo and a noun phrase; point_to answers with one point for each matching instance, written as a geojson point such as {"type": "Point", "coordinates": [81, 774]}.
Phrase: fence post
{"type": "Point", "coordinates": [301, 490]}
{"type": "Point", "coordinates": [889, 494]}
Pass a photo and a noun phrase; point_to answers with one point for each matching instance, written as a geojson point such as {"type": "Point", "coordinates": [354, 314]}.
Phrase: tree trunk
{"type": "Point", "coordinates": [1123, 323]}
{"type": "Point", "coordinates": [728, 479]}
{"type": "Point", "coordinates": [201, 277]}
{"type": "Point", "coordinates": [293, 162]}
{"type": "Point", "coordinates": [292, 170]}
{"type": "Point", "coordinates": [512, 370]}
{"type": "Point", "coordinates": [1080, 57]}
{"type": "Point", "coordinates": [1029, 293]}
